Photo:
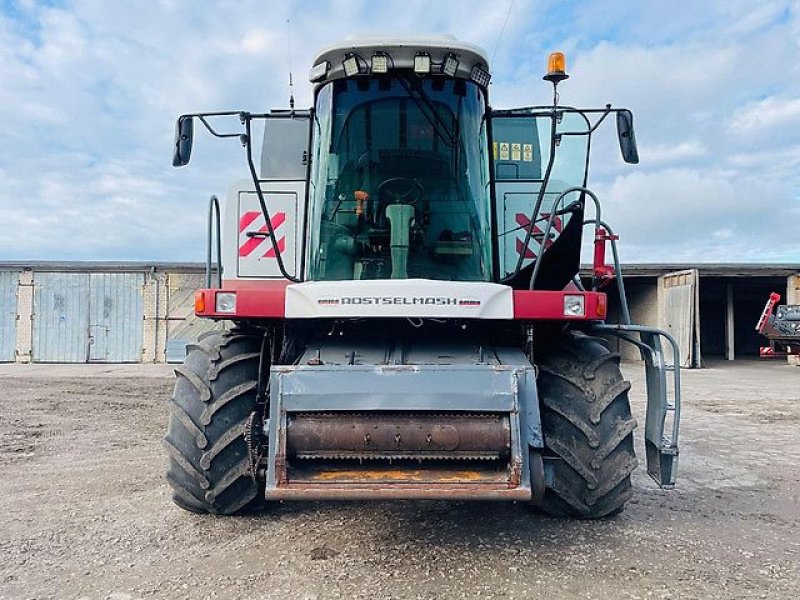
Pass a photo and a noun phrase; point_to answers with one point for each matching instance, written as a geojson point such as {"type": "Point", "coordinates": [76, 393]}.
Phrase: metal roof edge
{"type": "Point", "coordinates": [628, 269]}
{"type": "Point", "coordinates": [101, 266]}
{"type": "Point", "coordinates": [706, 269]}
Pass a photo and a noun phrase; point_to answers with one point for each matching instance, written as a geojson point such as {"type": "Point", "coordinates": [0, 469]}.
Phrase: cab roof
{"type": "Point", "coordinates": [401, 52]}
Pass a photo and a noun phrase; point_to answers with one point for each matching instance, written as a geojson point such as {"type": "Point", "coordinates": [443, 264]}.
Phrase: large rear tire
{"type": "Point", "coordinates": [211, 469]}
{"type": "Point", "coordinates": [588, 428]}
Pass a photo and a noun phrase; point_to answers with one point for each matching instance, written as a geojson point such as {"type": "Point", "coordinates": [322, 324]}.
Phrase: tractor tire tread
{"type": "Point", "coordinates": [210, 468]}
{"type": "Point", "coordinates": [588, 429]}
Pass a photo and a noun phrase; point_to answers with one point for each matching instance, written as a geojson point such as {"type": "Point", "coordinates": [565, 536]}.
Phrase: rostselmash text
{"type": "Point", "coordinates": [398, 300]}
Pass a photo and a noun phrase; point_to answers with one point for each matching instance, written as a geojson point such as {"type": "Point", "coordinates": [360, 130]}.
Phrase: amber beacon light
{"type": "Point", "coordinates": [556, 67]}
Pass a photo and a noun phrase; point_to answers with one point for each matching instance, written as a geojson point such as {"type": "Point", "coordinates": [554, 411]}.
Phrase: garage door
{"type": "Point", "coordinates": [679, 299]}
{"type": "Point", "coordinates": [116, 310]}
{"type": "Point", "coordinates": [82, 317]}
{"type": "Point", "coordinates": [8, 314]}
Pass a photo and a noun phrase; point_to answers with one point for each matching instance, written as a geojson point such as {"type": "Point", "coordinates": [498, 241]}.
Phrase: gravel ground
{"type": "Point", "coordinates": [88, 514]}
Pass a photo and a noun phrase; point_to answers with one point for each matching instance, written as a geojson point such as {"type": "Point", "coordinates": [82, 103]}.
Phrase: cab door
{"type": "Point", "coordinates": [523, 162]}
{"type": "Point", "coordinates": [517, 173]}
{"type": "Point", "coordinates": [285, 159]}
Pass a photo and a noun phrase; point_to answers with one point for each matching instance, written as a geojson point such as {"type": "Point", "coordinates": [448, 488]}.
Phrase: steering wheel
{"type": "Point", "coordinates": [401, 190]}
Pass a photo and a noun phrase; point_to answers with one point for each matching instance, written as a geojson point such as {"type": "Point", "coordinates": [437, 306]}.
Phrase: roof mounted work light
{"type": "Point", "coordinates": [480, 75]}
{"type": "Point", "coordinates": [319, 71]}
{"type": "Point", "coordinates": [422, 63]}
{"type": "Point", "coordinates": [379, 63]}
{"type": "Point", "coordinates": [450, 65]}
{"type": "Point", "coordinates": [350, 65]}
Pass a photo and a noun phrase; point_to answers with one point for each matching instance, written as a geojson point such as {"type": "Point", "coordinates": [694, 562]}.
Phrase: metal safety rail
{"type": "Point", "coordinates": [662, 422]}
{"type": "Point", "coordinates": [663, 414]}
{"type": "Point", "coordinates": [213, 225]}
{"type": "Point", "coordinates": [661, 436]}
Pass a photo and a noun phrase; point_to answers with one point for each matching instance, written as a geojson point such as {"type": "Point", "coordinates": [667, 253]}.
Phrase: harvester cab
{"type": "Point", "coordinates": [402, 273]}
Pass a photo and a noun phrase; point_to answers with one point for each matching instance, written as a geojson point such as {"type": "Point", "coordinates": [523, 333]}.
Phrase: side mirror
{"type": "Point", "coordinates": [184, 131]}
{"type": "Point", "coordinates": [627, 139]}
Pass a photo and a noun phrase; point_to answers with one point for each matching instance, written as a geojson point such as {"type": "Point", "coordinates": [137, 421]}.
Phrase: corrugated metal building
{"type": "Point", "coordinates": [8, 314]}
{"type": "Point", "coordinates": [52, 312]}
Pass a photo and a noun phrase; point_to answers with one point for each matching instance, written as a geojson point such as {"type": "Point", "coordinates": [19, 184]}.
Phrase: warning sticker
{"type": "Point", "coordinates": [527, 152]}
{"type": "Point", "coordinates": [503, 150]}
{"type": "Point", "coordinates": [516, 151]}
{"type": "Point", "coordinates": [494, 150]}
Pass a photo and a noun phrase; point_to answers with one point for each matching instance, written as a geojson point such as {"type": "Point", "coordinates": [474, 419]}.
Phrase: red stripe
{"type": "Point", "coordinates": [277, 220]}
{"type": "Point", "coordinates": [528, 252]}
{"type": "Point", "coordinates": [281, 246]}
{"type": "Point", "coordinates": [251, 244]}
{"type": "Point", "coordinates": [246, 219]}
{"type": "Point", "coordinates": [543, 305]}
{"type": "Point", "coordinates": [266, 299]}
{"type": "Point", "coordinates": [254, 242]}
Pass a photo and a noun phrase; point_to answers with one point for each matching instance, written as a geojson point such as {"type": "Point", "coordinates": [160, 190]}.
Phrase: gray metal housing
{"type": "Point", "coordinates": [426, 379]}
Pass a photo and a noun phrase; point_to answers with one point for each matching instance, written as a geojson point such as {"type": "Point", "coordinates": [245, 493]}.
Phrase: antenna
{"type": "Point", "coordinates": [289, 47]}
{"type": "Point", "coordinates": [502, 31]}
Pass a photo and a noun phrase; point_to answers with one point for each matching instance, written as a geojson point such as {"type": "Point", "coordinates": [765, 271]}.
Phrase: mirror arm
{"type": "Point", "coordinates": [212, 131]}
{"type": "Point", "coordinates": [602, 118]}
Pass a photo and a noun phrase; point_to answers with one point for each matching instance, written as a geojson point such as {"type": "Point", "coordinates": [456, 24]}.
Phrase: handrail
{"type": "Point", "coordinates": [213, 219]}
{"type": "Point", "coordinates": [551, 220]}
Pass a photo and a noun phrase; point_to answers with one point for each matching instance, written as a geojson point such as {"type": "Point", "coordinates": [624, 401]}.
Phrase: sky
{"type": "Point", "coordinates": [90, 89]}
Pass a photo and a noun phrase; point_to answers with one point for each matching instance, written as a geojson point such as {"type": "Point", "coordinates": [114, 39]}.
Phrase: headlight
{"type": "Point", "coordinates": [225, 302]}
{"type": "Point", "coordinates": [574, 306]}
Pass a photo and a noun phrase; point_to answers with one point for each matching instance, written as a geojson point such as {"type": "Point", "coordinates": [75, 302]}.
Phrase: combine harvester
{"type": "Point", "coordinates": [401, 271]}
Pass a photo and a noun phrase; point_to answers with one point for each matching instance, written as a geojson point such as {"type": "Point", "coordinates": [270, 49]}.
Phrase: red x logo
{"type": "Point", "coordinates": [248, 244]}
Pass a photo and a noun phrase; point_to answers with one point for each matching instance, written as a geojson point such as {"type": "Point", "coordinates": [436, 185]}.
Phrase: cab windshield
{"type": "Point", "coordinates": [400, 181]}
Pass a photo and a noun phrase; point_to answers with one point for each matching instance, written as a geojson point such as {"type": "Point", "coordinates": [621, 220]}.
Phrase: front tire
{"type": "Point", "coordinates": [588, 428]}
{"type": "Point", "coordinates": [211, 469]}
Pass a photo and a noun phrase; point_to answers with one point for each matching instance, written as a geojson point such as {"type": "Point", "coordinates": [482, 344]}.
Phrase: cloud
{"type": "Point", "coordinates": [89, 92]}
{"type": "Point", "coordinates": [768, 113]}
{"type": "Point", "coordinates": [684, 215]}
{"type": "Point", "coordinates": [661, 153]}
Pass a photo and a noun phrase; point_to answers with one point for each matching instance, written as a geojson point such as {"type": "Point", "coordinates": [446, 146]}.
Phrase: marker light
{"type": "Point", "coordinates": [574, 306]}
{"type": "Point", "coordinates": [422, 63]}
{"type": "Point", "coordinates": [380, 63]}
{"type": "Point", "coordinates": [602, 306]}
{"type": "Point", "coordinates": [199, 301]}
{"type": "Point", "coordinates": [319, 72]}
{"type": "Point", "coordinates": [350, 65]}
{"type": "Point", "coordinates": [450, 65]}
{"type": "Point", "coordinates": [556, 67]}
{"type": "Point", "coordinates": [480, 75]}
{"type": "Point", "coordinates": [225, 302]}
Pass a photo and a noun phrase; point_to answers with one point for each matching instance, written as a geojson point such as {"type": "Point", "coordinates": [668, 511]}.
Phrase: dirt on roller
{"type": "Point", "coordinates": [86, 511]}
